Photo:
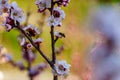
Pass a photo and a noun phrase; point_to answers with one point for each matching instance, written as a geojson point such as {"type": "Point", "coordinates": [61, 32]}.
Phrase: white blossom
{"type": "Point", "coordinates": [31, 27]}
{"type": "Point", "coordinates": [56, 18]}
{"type": "Point", "coordinates": [58, 13]}
{"type": "Point", "coordinates": [43, 4]}
{"type": "Point", "coordinates": [58, 34]}
{"type": "Point", "coordinates": [4, 6]}
{"type": "Point", "coordinates": [62, 68]}
{"type": "Point", "coordinates": [17, 13]}
{"type": "Point", "coordinates": [52, 21]}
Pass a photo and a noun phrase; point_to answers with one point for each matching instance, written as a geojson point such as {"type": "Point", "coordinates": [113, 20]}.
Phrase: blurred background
{"type": "Point", "coordinates": [77, 43]}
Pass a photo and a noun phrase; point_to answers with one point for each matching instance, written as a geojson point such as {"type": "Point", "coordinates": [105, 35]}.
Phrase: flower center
{"type": "Point", "coordinates": [51, 21]}
{"type": "Point", "coordinates": [61, 68]}
{"type": "Point", "coordinates": [56, 14]}
{"type": "Point", "coordinates": [15, 14]}
{"type": "Point", "coordinates": [31, 32]}
{"type": "Point", "coordinates": [5, 10]}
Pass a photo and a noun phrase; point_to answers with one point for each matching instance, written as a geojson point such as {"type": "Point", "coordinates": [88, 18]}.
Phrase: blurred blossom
{"type": "Point", "coordinates": [41, 66]}
{"type": "Point", "coordinates": [33, 72]}
{"type": "Point", "coordinates": [7, 57]}
{"type": "Point", "coordinates": [43, 5]}
{"type": "Point", "coordinates": [105, 56]}
{"type": "Point", "coordinates": [20, 65]}
{"type": "Point", "coordinates": [4, 55]}
{"type": "Point", "coordinates": [28, 55]}
{"type": "Point", "coordinates": [4, 6]}
{"type": "Point", "coordinates": [107, 22]}
{"type": "Point", "coordinates": [36, 70]}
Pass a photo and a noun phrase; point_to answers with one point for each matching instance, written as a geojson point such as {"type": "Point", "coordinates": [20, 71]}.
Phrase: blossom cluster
{"type": "Point", "coordinates": [58, 14]}
{"type": "Point", "coordinates": [15, 16]}
{"type": "Point", "coordinates": [55, 19]}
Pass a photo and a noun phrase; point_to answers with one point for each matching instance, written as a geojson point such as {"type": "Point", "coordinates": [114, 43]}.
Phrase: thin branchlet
{"type": "Point", "coordinates": [37, 48]}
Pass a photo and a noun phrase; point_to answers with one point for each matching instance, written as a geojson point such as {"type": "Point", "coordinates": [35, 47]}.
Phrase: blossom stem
{"type": "Point", "coordinates": [53, 44]}
{"type": "Point", "coordinates": [55, 77]}
{"type": "Point", "coordinates": [37, 48]}
{"type": "Point", "coordinates": [53, 49]}
{"type": "Point", "coordinates": [53, 40]}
